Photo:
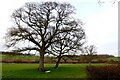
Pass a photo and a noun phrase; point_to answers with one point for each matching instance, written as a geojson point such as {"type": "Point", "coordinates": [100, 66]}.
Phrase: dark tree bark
{"type": "Point", "coordinates": [58, 61]}
{"type": "Point", "coordinates": [41, 60]}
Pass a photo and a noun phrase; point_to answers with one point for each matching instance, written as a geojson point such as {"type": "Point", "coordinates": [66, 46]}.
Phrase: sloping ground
{"type": "Point", "coordinates": [114, 58]}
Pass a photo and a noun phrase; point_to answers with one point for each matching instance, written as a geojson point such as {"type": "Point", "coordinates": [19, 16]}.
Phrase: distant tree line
{"type": "Point", "coordinates": [52, 59]}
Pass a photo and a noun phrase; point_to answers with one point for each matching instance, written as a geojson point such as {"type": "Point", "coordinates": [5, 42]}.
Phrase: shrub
{"type": "Point", "coordinates": [109, 72]}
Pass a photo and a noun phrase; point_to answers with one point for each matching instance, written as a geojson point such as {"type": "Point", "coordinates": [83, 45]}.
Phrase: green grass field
{"type": "Point", "coordinates": [30, 71]}
{"type": "Point", "coordinates": [14, 70]}
{"type": "Point", "coordinates": [114, 58]}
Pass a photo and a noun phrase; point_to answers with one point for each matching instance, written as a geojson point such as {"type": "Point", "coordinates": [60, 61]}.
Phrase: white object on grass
{"type": "Point", "coordinates": [47, 71]}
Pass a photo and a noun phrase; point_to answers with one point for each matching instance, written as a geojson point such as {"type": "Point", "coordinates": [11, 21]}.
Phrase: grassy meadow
{"type": "Point", "coordinates": [30, 71]}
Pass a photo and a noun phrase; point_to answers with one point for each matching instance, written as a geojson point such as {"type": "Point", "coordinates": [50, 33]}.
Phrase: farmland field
{"type": "Point", "coordinates": [18, 57]}
{"type": "Point", "coordinates": [30, 71]}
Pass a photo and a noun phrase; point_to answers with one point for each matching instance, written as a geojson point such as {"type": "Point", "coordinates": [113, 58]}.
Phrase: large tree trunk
{"type": "Point", "coordinates": [41, 60]}
{"type": "Point", "coordinates": [58, 61]}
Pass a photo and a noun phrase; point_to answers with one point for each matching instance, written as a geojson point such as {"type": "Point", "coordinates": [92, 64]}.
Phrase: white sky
{"type": "Point", "coordinates": [101, 21]}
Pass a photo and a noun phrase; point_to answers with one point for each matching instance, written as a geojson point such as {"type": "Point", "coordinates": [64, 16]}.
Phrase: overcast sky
{"type": "Point", "coordinates": [101, 21]}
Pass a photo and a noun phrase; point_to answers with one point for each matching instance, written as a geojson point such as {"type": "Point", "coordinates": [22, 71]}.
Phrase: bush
{"type": "Point", "coordinates": [109, 72]}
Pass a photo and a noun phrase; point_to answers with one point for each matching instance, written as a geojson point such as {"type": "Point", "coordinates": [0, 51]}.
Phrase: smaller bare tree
{"type": "Point", "coordinates": [73, 42]}
{"type": "Point", "coordinates": [90, 51]}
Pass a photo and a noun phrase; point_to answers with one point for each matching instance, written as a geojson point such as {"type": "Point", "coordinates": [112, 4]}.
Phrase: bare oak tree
{"type": "Point", "coordinates": [42, 24]}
